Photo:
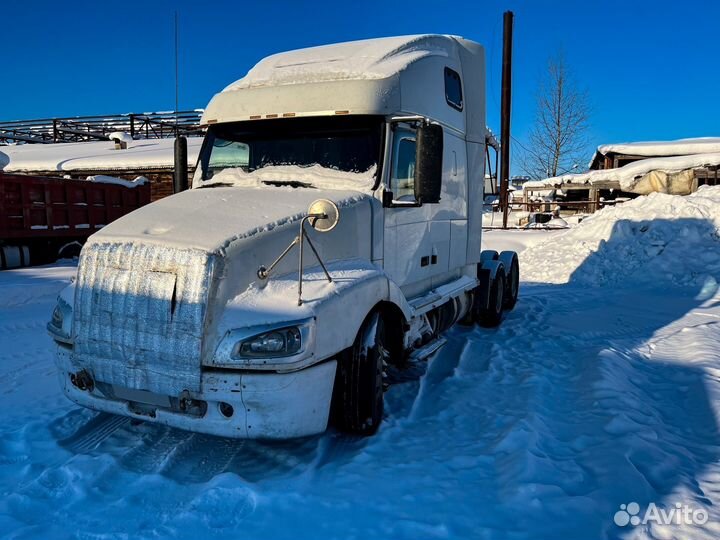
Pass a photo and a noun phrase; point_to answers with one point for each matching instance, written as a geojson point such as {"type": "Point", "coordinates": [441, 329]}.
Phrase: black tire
{"type": "Point", "coordinates": [489, 255]}
{"type": "Point", "coordinates": [512, 284]}
{"type": "Point", "coordinates": [69, 250]}
{"type": "Point", "coordinates": [491, 316]}
{"type": "Point", "coordinates": [358, 399]}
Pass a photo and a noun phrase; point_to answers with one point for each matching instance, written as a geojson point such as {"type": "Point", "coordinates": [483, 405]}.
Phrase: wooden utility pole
{"type": "Point", "coordinates": [505, 98]}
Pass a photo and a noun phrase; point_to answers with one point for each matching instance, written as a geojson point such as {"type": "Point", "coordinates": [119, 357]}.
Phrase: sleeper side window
{"type": "Point", "coordinates": [402, 181]}
{"type": "Point", "coordinates": [453, 89]}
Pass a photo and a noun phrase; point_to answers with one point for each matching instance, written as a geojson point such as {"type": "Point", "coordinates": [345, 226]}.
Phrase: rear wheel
{"type": "Point", "coordinates": [358, 392]}
{"type": "Point", "coordinates": [490, 316]}
{"type": "Point", "coordinates": [512, 278]}
{"type": "Point", "coordinates": [69, 250]}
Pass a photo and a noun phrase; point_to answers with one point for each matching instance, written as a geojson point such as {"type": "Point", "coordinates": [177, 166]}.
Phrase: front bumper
{"type": "Point", "coordinates": [263, 405]}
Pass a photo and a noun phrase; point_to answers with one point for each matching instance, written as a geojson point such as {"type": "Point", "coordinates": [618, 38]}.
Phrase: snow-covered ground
{"type": "Point", "coordinates": [601, 388]}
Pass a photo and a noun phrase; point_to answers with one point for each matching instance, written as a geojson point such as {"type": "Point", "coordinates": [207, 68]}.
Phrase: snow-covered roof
{"type": "Point", "coordinates": [628, 176]}
{"type": "Point", "coordinates": [384, 76]}
{"type": "Point", "coordinates": [679, 147]}
{"type": "Point", "coordinates": [365, 59]}
{"type": "Point", "coordinates": [94, 156]}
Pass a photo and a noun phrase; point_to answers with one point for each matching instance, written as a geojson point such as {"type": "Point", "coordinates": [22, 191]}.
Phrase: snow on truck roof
{"type": "Point", "coordinates": [375, 76]}
{"type": "Point", "coordinates": [94, 156]}
{"type": "Point", "coordinates": [364, 59]}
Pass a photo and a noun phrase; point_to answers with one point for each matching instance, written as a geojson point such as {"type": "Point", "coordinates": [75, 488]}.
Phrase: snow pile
{"type": "Point", "coordinates": [103, 179]}
{"type": "Point", "coordinates": [315, 175]}
{"type": "Point", "coordinates": [634, 177]}
{"type": "Point", "coordinates": [679, 147]}
{"type": "Point", "coordinates": [663, 238]}
{"type": "Point", "coordinates": [365, 59]}
{"type": "Point", "coordinates": [121, 136]}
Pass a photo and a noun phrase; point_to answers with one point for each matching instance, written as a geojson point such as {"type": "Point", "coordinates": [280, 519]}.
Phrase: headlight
{"type": "Point", "coordinates": [279, 346]}
{"type": "Point", "coordinates": [60, 325]}
{"type": "Point", "coordinates": [57, 317]}
{"type": "Point", "coordinates": [278, 343]}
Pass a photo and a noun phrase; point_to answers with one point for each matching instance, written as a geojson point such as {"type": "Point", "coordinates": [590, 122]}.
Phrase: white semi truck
{"type": "Point", "coordinates": [332, 230]}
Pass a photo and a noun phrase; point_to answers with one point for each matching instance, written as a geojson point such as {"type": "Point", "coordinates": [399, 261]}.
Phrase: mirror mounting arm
{"type": "Point", "coordinates": [410, 119]}
{"type": "Point", "coordinates": [304, 235]}
{"type": "Point", "coordinates": [320, 218]}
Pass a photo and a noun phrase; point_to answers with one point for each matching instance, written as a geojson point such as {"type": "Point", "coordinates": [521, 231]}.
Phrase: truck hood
{"type": "Point", "coordinates": [210, 219]}
{"type": "Point", "coordinates": [153, 285]}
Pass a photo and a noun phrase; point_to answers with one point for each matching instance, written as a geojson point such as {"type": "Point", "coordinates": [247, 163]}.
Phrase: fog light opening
{"type": "Point", "coordinates": [82, 381]}
{"type": "Point", "coordinates": [226, 409]}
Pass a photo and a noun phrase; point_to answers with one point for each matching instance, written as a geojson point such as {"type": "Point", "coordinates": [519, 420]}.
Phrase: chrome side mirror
{"type": "Point", "coordinates": [323, 215]}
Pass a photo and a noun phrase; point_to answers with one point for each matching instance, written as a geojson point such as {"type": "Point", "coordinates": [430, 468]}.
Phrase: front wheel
{"type": "Point", "coordinates": [358, 393]}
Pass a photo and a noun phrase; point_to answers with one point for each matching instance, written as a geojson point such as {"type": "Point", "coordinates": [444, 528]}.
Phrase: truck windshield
{"type": "Point", "coordinates": [343, 143]}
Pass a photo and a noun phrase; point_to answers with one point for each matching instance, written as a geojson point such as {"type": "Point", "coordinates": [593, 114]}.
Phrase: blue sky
{"type": "Point", "coordinates": [650, 67]}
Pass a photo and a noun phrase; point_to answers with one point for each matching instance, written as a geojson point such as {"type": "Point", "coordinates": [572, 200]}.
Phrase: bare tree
{"type": "Point", "coordinates": [557, 140]}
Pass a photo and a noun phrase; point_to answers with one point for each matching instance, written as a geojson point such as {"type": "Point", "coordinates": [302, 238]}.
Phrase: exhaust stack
{"type": "Point", "coordinates": [180, 179]}
{"type": "Point", "coordinates": [505, 102]}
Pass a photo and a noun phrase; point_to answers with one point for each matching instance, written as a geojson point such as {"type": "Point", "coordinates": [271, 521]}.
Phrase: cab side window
{"type": "Point", "coordinates": [402, 181]}
{"type": "Point", "coordinates": [453, 89]}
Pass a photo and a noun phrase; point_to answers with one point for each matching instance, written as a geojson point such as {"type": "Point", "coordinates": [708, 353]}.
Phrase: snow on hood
{"type": "Point", "coordinates": [658, 238]}
{"type": "Point", "coordinates": [364, 59]}
{"type": "Point", "coordinates": [629, 175]}
{"type": "Point", "coordinates": [210, 219]}
{"type": "Point", "coordinates": [315, 175]}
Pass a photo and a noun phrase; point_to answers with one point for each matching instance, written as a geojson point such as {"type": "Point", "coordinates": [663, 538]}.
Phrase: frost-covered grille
{"type": "Point", "coordinates": [140, 314]}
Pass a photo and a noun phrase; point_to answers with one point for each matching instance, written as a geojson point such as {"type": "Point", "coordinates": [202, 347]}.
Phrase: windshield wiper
{"type": "Point", "coordinates": [291, 183]}
{"type": "Point", "coordinates": [277, 183]}
{"type": "Point", "coordinates": [217, 184]}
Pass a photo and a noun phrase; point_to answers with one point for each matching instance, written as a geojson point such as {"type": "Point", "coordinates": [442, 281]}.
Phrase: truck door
{"type": "Point", "coordinates": [408, 245]}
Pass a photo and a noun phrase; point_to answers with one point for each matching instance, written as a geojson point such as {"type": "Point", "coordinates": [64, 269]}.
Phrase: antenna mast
{"type": "Point", "coordinates": [177, 83]}
{"type": "Point", "coordinates": [180, 176]}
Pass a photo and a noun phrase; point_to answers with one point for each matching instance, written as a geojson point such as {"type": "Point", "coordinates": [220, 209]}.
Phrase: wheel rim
{"type": "Point", "coordinates": [379, 352]}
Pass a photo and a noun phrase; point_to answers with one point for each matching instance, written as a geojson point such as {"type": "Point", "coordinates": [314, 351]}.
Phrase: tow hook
{"type": "Point", "coordinates": [187, 404]}
{"type": "Point", "coordinates": [82, 380]}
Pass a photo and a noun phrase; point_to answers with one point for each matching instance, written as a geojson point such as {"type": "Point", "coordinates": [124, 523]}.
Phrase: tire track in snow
{"type": "Point", "coordinates": [476, 353]}
{"type": "Point", "coordinates": [189, 457]}
{"type": "Point", "coordinates": [92, 434]}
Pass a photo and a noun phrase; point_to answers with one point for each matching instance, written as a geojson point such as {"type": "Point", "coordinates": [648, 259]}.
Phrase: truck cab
{"type": "Point", "coordinates": [333, 228]}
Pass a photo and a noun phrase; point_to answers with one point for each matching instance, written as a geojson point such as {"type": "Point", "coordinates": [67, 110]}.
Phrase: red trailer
{"type": "Point", "coordinates": [43, 219]}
